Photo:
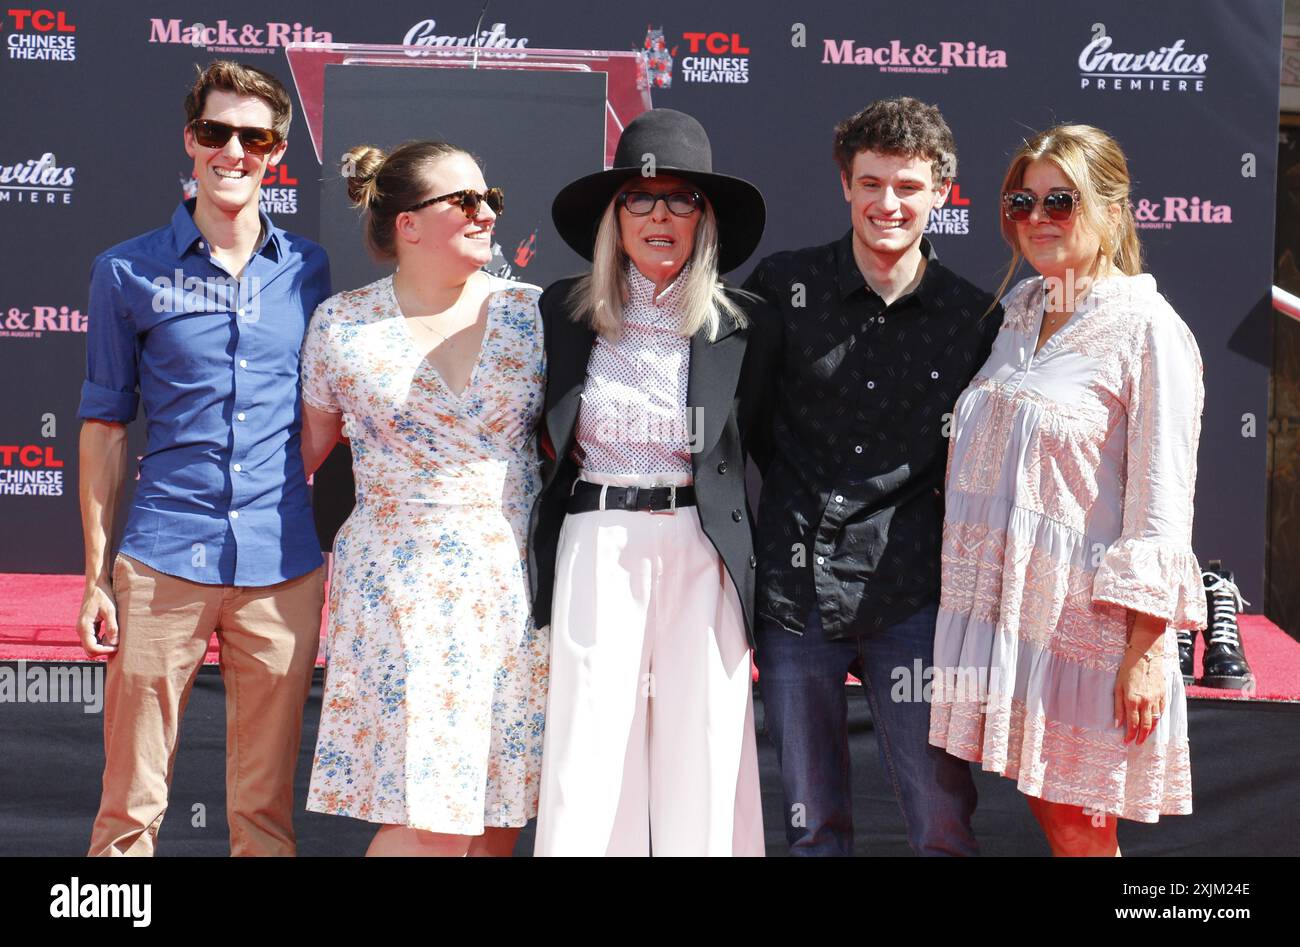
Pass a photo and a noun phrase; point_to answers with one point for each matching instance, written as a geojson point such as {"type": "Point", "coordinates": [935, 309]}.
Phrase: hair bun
{"type": "Point", "coordinates": [360, 166]}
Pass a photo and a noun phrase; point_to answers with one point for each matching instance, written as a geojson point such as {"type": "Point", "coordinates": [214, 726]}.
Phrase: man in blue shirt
{"type": "Point", "coordinates": [203, 320]}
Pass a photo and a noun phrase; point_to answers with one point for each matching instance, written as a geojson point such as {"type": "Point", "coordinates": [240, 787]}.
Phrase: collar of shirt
{"type": "Point", "coordinates": [850, 280]}
{"type": "Point", "coordinates": [185, 233]}
{"type": "Point", "coordinates": [642, 306]}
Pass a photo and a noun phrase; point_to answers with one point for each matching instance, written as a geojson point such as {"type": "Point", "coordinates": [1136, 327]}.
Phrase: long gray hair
{"type": "Point", "coordinates": [599, 297]}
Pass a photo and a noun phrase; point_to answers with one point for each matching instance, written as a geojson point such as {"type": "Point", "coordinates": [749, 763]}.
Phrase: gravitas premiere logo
{"type": "Point", "coordinates": [425, 35]}
{"type": "Point", "coordinates": [921, 58]}
{"type": "Point", "coordinates": [1167, 69]}
{"type": "Point", "coordinates": [225, 37]}
{"type": "Point", "coordinates": [36, 181]}
{"type": "Point", "coordinates": [1163, 214]}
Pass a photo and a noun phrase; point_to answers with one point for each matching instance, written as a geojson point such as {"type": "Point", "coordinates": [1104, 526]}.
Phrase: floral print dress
{"type": "Point", "coordinates": [1068, 507]}
{"type": "Point", "coordinates": [434, 698]}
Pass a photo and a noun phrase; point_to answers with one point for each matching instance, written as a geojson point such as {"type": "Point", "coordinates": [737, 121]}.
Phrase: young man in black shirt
{"type": "Point", "coordinates": [874, 341]}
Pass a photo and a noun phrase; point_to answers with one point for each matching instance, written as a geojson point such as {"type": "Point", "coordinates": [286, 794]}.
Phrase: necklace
{"type": "Point", "coordinates": [434, 331]}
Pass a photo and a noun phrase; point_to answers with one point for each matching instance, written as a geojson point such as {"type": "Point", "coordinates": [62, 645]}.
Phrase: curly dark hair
{"type": "Point", "coordinates": [900, 126]}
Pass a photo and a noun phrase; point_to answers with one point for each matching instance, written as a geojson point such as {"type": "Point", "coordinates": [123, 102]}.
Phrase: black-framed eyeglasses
{"type": "Point", "coordinates": [256, 141]}
{"type": "Point", "coordinates": [1059, 204]}
{"type": "Point", "coordinates": [469, 201]}
{"type": "Point", "coordinates": [679, 203]}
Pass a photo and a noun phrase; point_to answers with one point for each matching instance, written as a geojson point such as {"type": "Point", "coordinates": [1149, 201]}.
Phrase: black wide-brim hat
{"type": "Point", "coordinates": [680, 147]}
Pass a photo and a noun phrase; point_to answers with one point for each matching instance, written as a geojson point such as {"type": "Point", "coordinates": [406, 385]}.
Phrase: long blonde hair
{"type": "Point", "coordinates": [599, 297]}
{"type": "Point", "coordinates": [1095, 164]}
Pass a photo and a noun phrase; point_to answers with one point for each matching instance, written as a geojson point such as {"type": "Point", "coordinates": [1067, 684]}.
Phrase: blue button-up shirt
{"type": "Point", "coordinates": [222, 498]}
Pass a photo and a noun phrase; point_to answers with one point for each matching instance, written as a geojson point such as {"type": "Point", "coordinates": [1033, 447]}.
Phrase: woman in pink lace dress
{"type": "Point", "coordinates": [1067, 559]}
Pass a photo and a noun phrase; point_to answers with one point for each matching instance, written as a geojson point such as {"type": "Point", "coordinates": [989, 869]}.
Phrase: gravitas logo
{"type": "Point", "coordinates": [425, 34]}
{"type": "Point", "coordinates": [223, 36]}
{"type": "Point", "coordinates": [1167, 69]}
{"type": "Point", "coordinates": [103, 900]}
{"type": "Point", "coordinates": [921, 58]}
{"type": "Point", "coordinates": [36, 181]}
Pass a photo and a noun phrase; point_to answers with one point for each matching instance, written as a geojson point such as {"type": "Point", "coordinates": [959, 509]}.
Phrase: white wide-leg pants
{"type": "Point", "coordinates": [650, 719]}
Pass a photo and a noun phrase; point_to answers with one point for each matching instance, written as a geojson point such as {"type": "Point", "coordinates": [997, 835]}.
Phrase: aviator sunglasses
{"type": "Point", "coordinates": [255, 141]}
{"type": "Point", "coordinates": [679, 203]}
{"type": "Point", "coordinates": [469, 201]}
{"type": "Point", "coordinates": [1059, 204]}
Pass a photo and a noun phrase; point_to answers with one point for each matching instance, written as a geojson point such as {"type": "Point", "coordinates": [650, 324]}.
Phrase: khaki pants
{"type": "Point", "coordinates": [269, 638]}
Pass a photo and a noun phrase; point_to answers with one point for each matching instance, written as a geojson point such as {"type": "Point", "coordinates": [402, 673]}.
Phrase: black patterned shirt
{"type": "Point", "coordinates": [851, 513]}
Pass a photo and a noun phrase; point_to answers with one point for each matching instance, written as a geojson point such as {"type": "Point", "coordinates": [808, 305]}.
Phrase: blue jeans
{"type": "Point", "coordinates": [801, 678]}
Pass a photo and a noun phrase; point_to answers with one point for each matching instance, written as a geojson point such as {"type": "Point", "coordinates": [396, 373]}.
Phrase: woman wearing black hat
{"type": "Point", "coordinates": [639, 545]}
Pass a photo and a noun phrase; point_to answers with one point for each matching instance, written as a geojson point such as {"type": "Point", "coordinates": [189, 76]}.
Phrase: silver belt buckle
{"type": "Point", "coordinates": [672, 501]}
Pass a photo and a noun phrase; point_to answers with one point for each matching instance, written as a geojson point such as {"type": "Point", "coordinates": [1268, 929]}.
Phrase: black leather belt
{"type": "Point", "coordinates": [586, 497]}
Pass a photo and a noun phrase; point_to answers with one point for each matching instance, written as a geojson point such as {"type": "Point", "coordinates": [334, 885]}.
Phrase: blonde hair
{"type": "Point", "coordinates": [599, 297]}
{"type": "Point", "coordinates": [385, 185]}
{"type": "Point", "coordinates": [1095, 164]}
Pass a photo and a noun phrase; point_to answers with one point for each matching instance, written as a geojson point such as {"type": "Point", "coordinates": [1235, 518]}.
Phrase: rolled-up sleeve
{"type": "Point", "coordinates": [1151, 568]}
{"type": "Point", "coordinates": [109, 392]}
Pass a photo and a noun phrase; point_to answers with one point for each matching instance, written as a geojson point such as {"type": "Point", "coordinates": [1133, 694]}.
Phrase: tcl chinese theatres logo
{"type": "Point", "coordinates": [40, 35]}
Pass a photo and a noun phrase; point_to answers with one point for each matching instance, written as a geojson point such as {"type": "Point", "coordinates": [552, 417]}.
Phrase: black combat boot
{"type": "Point", "coordinates": [1225, 662]}
{"type": "Point", "coordinates": [1186, 650]}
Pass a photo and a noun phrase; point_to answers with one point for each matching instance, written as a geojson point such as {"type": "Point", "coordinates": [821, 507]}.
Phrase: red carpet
{"type": "Point", "coordinates": [38, 619]}
{"type": "Point", "coordinates": [38, 616]}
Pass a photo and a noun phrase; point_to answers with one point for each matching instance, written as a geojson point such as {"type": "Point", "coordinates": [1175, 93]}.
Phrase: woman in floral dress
{"type": "Point", "coordinates": [432, 717]}
{"type": "Point", "coordinates": [1067, 559]}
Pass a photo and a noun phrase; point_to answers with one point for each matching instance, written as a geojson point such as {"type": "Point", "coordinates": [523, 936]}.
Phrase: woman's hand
{"type": "Point", "coordinates": [1140, 692]}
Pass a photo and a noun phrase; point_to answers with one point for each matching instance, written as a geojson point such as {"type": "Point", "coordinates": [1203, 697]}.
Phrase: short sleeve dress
{"type": "Point", "coordinates": [1070, 482]}
{"type": "Point", "coordinates": [433, 711]}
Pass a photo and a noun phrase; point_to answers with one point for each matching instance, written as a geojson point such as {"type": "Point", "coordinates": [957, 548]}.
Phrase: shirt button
{"type": "Point", "coordinates": [753, 562]}
{"type": "Point", "coordinates": [722, 467]}
{"type": "Point", "coordinates": [880, 318]}
{"type": "Point", "coordinates": [240, 415]}
{"type": "Point", "coordinates": [234, 514]}
{"type": "Point", "coordinates": [238, 468]}
{"type": "Point", "coordinates": [243, 363]}
{"type": "Point", "coordinates": [821, 560]}
{"type": "Point", "coordinates": [857, 448]}
{"type": "Point", "coordinates": [934, 374]}
{"type": "Point", "coordinates": [737, 515]}
{"type": "Point", "coordinates": [239, 312]}
{"type": "Point", "coordinates": [871, 384]}
{"type": "Point", "coordinates": [839, 498]}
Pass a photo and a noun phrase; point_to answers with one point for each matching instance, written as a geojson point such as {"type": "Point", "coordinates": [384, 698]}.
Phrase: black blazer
{"type": "Point", "coordinates": [729, 387]}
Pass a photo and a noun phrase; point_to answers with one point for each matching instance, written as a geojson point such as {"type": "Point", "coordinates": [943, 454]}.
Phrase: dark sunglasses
{"type": "Point", "coordinates": [469, 201]}
{"type": "Point", "coordinates": [256, 141]}
{"type": "Point", "coordinates": [679, 203]}
{"type": "Point", "coordinates": [1059, 204]}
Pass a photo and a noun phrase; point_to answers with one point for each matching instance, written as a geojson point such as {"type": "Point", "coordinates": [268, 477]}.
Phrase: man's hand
{"type": "Point", "coordinates": [97, 605]}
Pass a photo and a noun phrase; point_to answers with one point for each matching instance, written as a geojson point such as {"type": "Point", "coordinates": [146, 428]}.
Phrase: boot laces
{"type": "Point", "coordinates": [1226, 600]}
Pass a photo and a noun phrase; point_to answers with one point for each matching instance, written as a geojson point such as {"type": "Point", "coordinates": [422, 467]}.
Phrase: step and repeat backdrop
{"type": "Point", "coordinates": [92, 153]}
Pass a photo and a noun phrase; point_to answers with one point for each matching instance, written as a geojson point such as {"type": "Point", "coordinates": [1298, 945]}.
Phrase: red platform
{"type": "Point", "coordinates": [38, 616]}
